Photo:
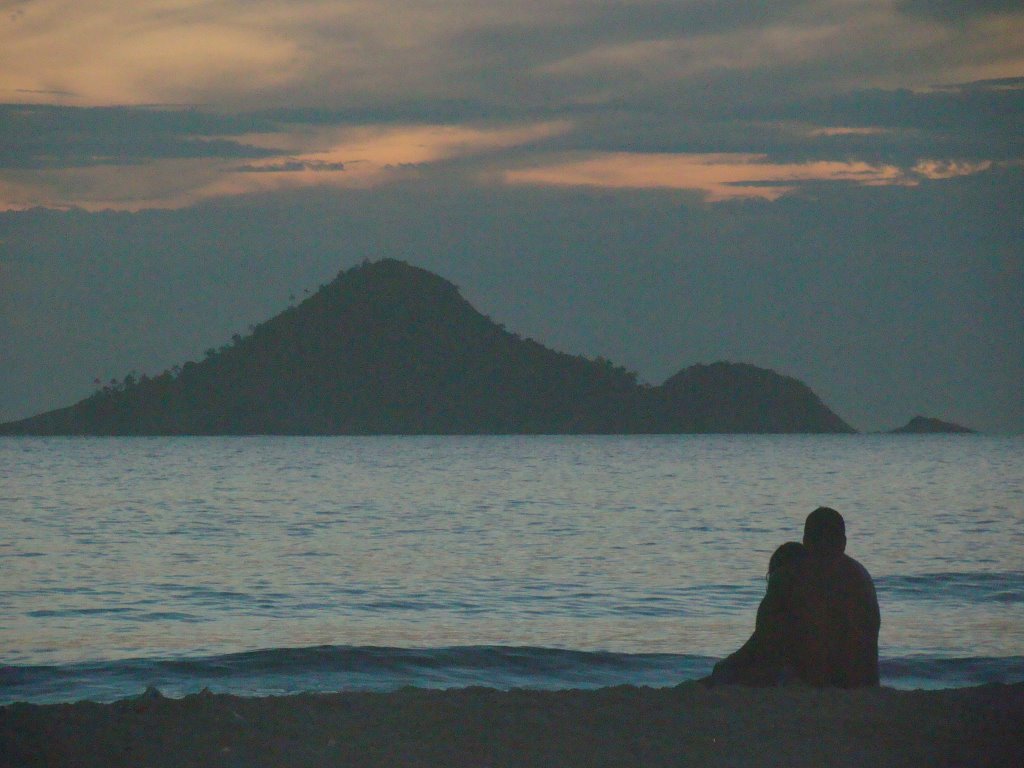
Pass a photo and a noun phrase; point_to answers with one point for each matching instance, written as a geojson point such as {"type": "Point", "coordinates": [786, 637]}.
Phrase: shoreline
{"type": "Point", "coordinates": [617, 726]}
{"type": "Point", "coordinates": [382, 669]}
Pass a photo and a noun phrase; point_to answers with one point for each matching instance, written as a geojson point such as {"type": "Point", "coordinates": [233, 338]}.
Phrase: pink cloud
{"type": "Point", "coordinates": [717, 176]}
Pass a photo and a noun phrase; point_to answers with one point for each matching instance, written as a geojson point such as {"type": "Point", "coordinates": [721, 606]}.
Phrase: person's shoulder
{"type": "Point", "coordinates": [849, 564]}
{"type": "Point", "coordinates": [832, 568]}
{"type": "Point", "coordinates": [855, 575]}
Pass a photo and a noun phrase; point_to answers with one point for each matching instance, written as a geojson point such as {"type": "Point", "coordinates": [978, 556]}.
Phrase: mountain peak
{"type": "Point", "coordinates": [391, 273]}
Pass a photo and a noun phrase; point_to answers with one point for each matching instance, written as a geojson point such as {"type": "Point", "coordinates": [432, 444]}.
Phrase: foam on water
{"type": "Point", "coordinates": [331, 668]}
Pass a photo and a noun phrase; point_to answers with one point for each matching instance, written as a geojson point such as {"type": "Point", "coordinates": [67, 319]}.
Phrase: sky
{"type": "Point", "coordinates": [833, 189]}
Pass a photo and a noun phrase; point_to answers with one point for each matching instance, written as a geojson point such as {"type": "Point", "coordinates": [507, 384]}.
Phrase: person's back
{"type": "Point", "coordinates": [763, 660]}
{"type": "Point", "coordinates": [835, 609]}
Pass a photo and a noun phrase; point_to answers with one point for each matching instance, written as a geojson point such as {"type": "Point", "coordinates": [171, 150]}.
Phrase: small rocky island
{"type": "Point", "coordinates": [923, 425]}
{"type": "Point", "coordinates": [388, 348]}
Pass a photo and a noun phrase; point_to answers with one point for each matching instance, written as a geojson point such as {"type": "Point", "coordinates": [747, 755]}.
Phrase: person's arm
{"type": "Point", "coordinates": [765, 644]}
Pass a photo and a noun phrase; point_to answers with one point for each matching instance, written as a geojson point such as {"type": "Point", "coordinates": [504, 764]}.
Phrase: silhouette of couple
{"type": "Point", "coordinates": [818, 622]}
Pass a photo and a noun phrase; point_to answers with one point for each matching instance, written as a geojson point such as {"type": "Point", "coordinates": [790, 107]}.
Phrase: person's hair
{"type": "Point", "coordinates": [825, 532]}
{"type": "Point", "coordinates": [786, 554]}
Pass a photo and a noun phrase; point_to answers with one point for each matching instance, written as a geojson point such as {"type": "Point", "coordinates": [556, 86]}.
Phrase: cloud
{"type": "Point", "coordinates": [293, 156]}
{"type": "Point", "coordinates": [105, 52]}
{"type": "Point", "coordinates": [842, 130]}
{"type": "Point", "coordinates": [948, 169]}
{"type": "Point", "coordinates": [957, 11]}
{"type": "Point", "coordinates": [761, 150]}
{"type": "Point", "coordinates": [565, 37]}
{"type": "Point", "coordinates": [42, 136]}
{"type": "Point", "coordinates": [45, 93]}
{"type": "Point", "coordinates": [988, 104]}
{"type": "Point", "coordinates": [236, 55]}
{"type": "Point", "coordinates": [727, 176]}
{"type": "Point", "coordinates": [975, 121]}
{"type": "Point", "coordinates": [287, 89]}
{"type": "Point", "coordinates": [291, 166]}
{"type": "Point", "coordinates": [800, 50]}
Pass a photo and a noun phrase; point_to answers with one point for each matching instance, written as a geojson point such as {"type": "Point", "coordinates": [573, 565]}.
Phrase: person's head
{"type": "Point", "coordinates": [786, 554]}
{"type": "Point", "coordinates": [825, 532]}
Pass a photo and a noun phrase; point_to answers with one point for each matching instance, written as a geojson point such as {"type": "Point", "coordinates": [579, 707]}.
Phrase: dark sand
{"type": "Point", "coordinates": [623, 726]}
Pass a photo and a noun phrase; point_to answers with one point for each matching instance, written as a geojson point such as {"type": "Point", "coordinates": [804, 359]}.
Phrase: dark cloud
{"type": "Point", "coordinates": [990, 106]}
{"type": "Point", "coordinates": [36, 137]}
{"type": "Point", "coordinates": [504, 51]}
{"type": "Point", "coordinates": [583, 55]}
{"type": "Point", "coordinates": [743, 112]}
{"type": "Point", "coordinates": [974, 121]}
{"type": "Point", "coordinates": [957, 10]}
{"type": "Point", "coordinates": [291, 165]}
{"type": "Point", "coordinates": [981, 121]}
{"type": "Point", "coordinates": [392, 110]}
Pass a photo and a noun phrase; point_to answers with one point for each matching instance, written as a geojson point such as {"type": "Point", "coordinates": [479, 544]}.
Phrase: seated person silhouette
{"type": "Point", "coordinates": [818, 622]}
{"type": "Point", "coordinates": [762, 660]}
{"type": "Point", "coordinates": [833, 610]}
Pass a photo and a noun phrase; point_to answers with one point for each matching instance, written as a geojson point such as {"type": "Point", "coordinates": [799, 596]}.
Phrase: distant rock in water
{"type": "Point", "coordinates": [388, 348]}
{"type": "Point", "coordinates": [922, 425]}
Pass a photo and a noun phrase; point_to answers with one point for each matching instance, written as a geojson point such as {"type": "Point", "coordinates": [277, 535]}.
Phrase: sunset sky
{"type": "Point", "coordinates": [830, 188]}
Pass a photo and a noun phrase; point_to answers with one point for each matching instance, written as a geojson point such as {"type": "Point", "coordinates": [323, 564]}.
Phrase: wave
{"type": "Point", "coordinates": [282, 671]}
{"type": "Point", "coordinates": [975, 587]}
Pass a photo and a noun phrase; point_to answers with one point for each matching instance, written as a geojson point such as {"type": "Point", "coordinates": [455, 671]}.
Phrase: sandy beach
{"type": "Point", "coordinates": [622, 726]}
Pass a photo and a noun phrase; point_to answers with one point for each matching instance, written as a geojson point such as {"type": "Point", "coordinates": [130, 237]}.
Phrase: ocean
{"type": "Point", "coordinates": [272, 565]}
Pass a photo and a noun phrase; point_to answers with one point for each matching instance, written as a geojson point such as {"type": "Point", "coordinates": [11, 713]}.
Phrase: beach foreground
{"type": "Point", "coordinates": [621, 726]}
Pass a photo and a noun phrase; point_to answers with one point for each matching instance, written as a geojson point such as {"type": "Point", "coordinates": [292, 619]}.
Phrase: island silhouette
{"type": "Point", "coordinates": [927, 425]}
{"type": "Point", "coordinates": [390, 348]}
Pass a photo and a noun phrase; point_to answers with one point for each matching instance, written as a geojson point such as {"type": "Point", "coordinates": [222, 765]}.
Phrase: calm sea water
{"type": "Point", "coordinates": [275, 564]}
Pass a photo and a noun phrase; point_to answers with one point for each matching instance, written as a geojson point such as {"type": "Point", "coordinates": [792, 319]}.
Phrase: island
{"type": "Point", "coordinates": [924, 425]}
{"type": "Point", "coordinates": [390, 348]}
